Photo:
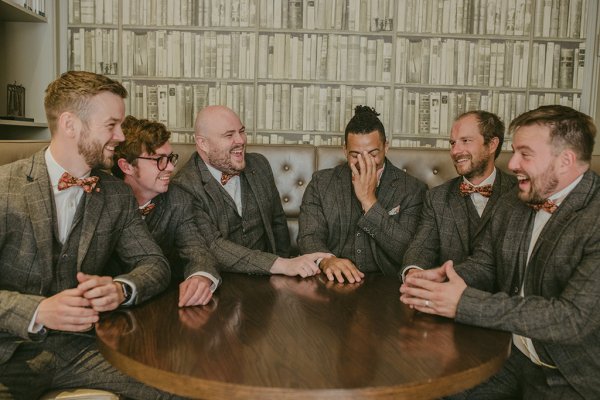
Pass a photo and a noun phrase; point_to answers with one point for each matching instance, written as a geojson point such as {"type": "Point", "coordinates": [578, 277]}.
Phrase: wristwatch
{"type": "Point", "coordinates": [127, 291]}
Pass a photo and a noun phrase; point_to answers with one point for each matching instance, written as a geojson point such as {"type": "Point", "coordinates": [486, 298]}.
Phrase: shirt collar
{"type": "Point", "coordinates": [487, 181]}
{"type": "Point", "coordinates": [558, 197]}
{"type": "Point", "coordinates": [55, 170]}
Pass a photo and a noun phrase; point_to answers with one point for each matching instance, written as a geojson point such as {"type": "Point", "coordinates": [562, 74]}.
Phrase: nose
{"type": "Point", "coordinates": [513, 163]}
{"type": "Point", "coordinates": [240, 138]}
{"type": "Point", "coordinates": [455, 148]}
{"type": "Point", "coordinates": [170, 167]}
{"type": "Point", "coordinates": [118, 134]}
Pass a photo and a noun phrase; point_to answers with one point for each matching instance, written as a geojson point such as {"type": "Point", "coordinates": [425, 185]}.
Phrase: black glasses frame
{"type": "Point", "coordinates": [163, 161]}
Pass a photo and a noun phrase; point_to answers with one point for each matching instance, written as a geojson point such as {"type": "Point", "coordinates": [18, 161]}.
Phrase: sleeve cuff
{"type": "Point", "coordinates": [406, 269]}
{"type": "Point", "coordinates": [134, 292]}
{"type": "Point", "coordinates": [215, 282]}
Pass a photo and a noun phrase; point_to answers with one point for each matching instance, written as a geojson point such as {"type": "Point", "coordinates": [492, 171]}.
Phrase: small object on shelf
{"type": "Point", "coordinates": [15, 103]}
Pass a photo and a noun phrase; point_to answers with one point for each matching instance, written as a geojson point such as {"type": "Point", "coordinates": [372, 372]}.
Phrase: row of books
{"type": "Point", "coordinates": [316, 109]}
{"type": "Point", "coordinates": [93, 50]}
{"type": "Point", "coordinates": [35, 6]}
{"type": "Point", "coordinates": [179, 54]}
{"type": "Point", "coordinates": [432, 113]}
{"type": "Point", "coordinates": [437, 61]}
{"type": "Point", "coordinates": [93, 12]}
{"type": "Point", "coordinates": [176, 105]}
{"type": "Point", "coordinates": [550, 18]}
{"type": "Point", "coordinates": [325, 57]}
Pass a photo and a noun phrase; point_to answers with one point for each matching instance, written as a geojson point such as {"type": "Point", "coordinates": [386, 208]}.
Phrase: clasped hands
{"type": "Point", "coordinates": [434, 291]}
{"type": "Point", "coordinates": [77, 309]}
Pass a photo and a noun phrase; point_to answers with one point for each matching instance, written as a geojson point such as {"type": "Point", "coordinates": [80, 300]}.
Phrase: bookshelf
{"type": "Point", "coordinates": [27, 51]}
{"type": "Point", "coordinates": [295, 69]}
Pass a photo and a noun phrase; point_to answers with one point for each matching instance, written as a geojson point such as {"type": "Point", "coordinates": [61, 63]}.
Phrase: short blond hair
{"type": "Point", "coordinates": [72, 92]}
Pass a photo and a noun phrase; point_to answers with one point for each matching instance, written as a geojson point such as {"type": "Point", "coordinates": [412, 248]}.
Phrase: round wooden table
{"type": "Point", "coordinates": [277, 337]}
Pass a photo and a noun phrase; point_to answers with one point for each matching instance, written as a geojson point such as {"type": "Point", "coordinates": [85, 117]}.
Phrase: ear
{"type": "Point", "coordinates": [69, 123]}
{"type": "Point", "coordinates": [127, 168]}
{"type": "Point", "coordinates": [201, 143]}
{"type": "Point", "coordinates": [567, 159]}
{"type": "Point", "coordinates": [386, 146]}
{"type": "Point", "coordinates": [493, 145]}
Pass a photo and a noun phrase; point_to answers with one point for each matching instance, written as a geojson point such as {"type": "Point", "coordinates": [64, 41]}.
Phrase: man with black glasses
{"type": "Point", "coordinates": [145, 161]}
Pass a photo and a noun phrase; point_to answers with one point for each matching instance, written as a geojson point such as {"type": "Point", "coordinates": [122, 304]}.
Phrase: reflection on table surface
{"type": "Point", "coordinates": [283, 337]}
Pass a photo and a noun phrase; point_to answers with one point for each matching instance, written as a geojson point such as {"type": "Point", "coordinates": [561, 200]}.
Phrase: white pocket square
{"type": "Point", "coordinates": [394, 210]}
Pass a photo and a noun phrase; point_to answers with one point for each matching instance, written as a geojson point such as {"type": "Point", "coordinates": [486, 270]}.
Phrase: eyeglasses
{"type": "Point", "coordinates": [163, 161]}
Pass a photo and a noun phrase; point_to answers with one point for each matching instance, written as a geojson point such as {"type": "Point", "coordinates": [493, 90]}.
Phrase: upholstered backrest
{"type": "Point", "coordinates": [293, 166]}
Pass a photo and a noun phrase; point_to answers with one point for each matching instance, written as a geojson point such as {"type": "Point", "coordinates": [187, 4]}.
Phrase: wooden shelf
{"type": "Point", "coordinates": [10, 11]}
{"type": "Point", "coordinates": [9, 122]}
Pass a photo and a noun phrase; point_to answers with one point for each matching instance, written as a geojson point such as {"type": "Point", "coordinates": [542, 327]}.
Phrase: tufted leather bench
{"type": "Point", "coordinates": [293, 166]}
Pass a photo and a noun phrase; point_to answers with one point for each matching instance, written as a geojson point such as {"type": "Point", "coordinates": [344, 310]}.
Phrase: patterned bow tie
{"type": "Point", "coordinates": [226, 177]}
{"type": "Point", "coordinates": [88, 184]}
{"type": "Point", "coordinates": [147, 209]}
{"type": "Point", "coordinates": [466, 189]}
{"type": "Point", "coordinates": [549, 206]}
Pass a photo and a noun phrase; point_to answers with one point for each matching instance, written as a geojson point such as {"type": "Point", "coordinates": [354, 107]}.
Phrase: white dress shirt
{"type": "Point", "coordinates": [233, 187]}
{"type": "Point", "coordinates": [478, 200]}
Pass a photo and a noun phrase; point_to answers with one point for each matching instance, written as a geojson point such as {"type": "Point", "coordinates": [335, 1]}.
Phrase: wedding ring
{"type": "Point", "coordinates": [427, 303]}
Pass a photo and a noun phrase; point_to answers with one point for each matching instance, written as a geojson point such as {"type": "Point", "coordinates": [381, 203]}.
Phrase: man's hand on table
{"type": "Point", "coordinates": [304, 265]}
{"type": "Point", "coordinates": [340, 268]}
{"type": "Point", "coordinates": [195, 291]}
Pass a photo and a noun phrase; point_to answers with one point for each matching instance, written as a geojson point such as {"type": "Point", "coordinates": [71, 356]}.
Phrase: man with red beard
{"type": "Point", "coordinates": [535, 270]}
{"type": "Point", "coordinates": [61, 217]}
{"type": "Point", "coordinates": [455, 213]}
{"type": "Point", "coordinates": [145, 161]}
{"type": "Point", "coordinates": [238, 209]}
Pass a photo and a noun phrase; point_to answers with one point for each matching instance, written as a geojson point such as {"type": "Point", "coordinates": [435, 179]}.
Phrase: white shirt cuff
{"type": "Point", "coordinates": [33, 327]}
{"type": "Point", "coordinates": [405, 270]}
{"type": "Point", "coordinates": [215, 281]}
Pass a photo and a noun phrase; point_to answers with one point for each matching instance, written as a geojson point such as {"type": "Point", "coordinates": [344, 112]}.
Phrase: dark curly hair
{"type": "Point", "coordinates": [364, 122]}
{"type": "Point", "coordinates": [141, 135]}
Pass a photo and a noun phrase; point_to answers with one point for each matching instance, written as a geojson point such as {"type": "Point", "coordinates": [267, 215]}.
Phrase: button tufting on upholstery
{"type": "Point", "coordinates": [286, 167]}
{"type": "Point", "coordinates": [435, 171]}
{"type": "Point", "coordinates": [404, 169]}
{"type": "Point", "coordinates": [300, 183]}
{"type": "Point", "coordinates": [286, 199]}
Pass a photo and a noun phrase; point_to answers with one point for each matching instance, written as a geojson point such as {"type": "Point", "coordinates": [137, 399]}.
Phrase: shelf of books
{"type": "Point", "coordinates": [295, 69]}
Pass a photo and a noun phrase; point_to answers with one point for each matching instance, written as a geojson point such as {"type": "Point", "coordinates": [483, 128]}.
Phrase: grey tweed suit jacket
{"type": "Point", "coordinates": [110, 223]}
{"type": "Point", "coordinates": [561, 307]}
{"type": "Point", "coordinates": [172, 224]}
{"type": "Point", "coordinates": [196, 179]}
{"type": "Point", "coordinates": [443, 232]}
{"type": "Point", "coordinates": [326, 225]}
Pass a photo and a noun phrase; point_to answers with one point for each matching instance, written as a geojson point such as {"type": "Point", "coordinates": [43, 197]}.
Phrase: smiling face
{"type": "Point", "coordinates": [101, 131]}
{"type": "Point", "coordinates": [472, 158]}
{"type": "Point", "coordinates": [371, 143]}
{"type": "Point", "coordinates": [534, 163]}
{"type": "Point", "coordinates": [146, 180]}
{"type": "Point", "coordinates": [221, 139]}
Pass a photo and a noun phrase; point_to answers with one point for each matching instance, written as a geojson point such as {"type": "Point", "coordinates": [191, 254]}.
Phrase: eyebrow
{"type": "Point", "coordinates": [243, 128]}
{"type": "Point", "coordinates": [368, 151]}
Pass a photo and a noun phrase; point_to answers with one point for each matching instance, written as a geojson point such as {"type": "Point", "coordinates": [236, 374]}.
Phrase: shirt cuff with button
{"type": "Point", "coordinates": [405, 270]}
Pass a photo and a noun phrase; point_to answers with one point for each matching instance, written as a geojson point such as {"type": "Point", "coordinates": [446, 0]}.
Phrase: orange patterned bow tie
{"type": "Point", "coordinates": [147, 209]}
{"type": "Point", "coordinates": [549, 206]}
{"type": "Point", "coordinates": [226, 177]}
{"type": "Point", "coordinates": [88, 184]}
{"type": "Point", "coordinates": [466, 189]}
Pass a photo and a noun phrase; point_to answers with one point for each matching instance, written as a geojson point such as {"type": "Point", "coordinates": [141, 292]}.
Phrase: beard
{"type": "Point", "coordinates": [93, 152]}
{"type": "Point", "coordinates": [540, 187]}
{"type": "Point", "coordinates": [224, 163]}
{"type": "Point", "coordinates": [477, 167]}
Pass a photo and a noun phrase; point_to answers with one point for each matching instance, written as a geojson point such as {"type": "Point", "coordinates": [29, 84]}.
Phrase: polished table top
{"type": "Point", "coordinates": [277, 337]}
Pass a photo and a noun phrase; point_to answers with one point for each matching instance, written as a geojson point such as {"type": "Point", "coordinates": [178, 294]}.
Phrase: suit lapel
{"type": "Point", "coordinates": [259, 192]}
{"type": "Point", "coordinates": [38, 195]}
{"type": "Point", "coordinates": [94, 203]}
{"type": "Point", "coordinates": [552, 231]}
{"type": "Point", "coordinates": [460, 214]}
{"type": "Point", "coordinates": [213, 192]}
{"type": "Point", "coordinates": [387, 187]}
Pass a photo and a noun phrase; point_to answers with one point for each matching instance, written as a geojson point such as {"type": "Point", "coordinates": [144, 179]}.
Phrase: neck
{"type": "Point", "coordinates": [141, 196]}
{"type": "Point", "coordinates": [64, 157]}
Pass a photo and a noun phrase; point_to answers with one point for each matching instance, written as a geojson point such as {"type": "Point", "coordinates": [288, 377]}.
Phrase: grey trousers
{"type": "Point", "coordinates": [64, 361]}
{"type": "Point", "coordinates": [520, 378]}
